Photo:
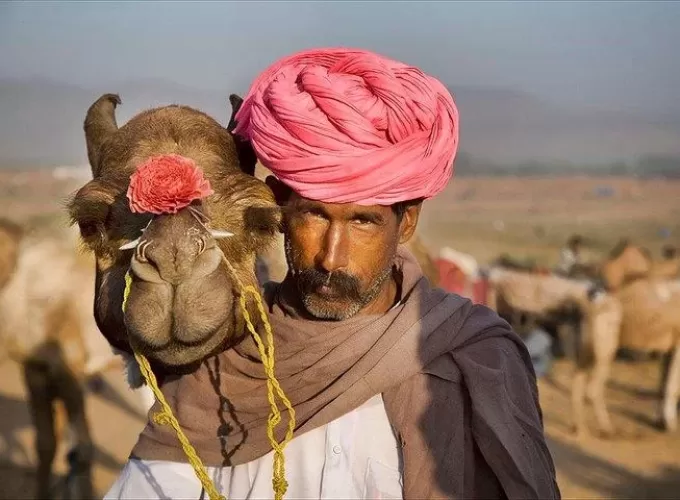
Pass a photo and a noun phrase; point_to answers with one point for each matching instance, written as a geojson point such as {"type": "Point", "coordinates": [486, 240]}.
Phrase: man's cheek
{"type": "Point", "coordinates": [306, 245]}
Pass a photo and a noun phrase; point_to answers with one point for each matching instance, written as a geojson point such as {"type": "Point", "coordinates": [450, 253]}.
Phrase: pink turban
{"type": "Point", "coordinates": [350, 126]}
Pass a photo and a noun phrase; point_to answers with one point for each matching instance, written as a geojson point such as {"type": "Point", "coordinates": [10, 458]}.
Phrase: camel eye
{"type": "Point", "coordinates": [88, 229]}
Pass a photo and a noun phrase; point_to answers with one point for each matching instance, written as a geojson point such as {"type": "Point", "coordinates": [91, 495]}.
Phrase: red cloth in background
{"type": "Point", "coordinates": [453, 279]}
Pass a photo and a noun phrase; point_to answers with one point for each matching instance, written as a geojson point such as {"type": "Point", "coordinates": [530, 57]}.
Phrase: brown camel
{"type": "Point", "coordinates": [637, 310]}
{"type": "Point", "coordinates": [628, 262]}
{"type": "Point", "coordinates": [181, 306]}
{"type": "Point", "coordinates": [625, 262]}
{"type": "Point", "coordinates": [640, 312]}
{"type": "Point", "coordinates": [668, 267]}
{"type": "Point", "coordinates": [48, 329]}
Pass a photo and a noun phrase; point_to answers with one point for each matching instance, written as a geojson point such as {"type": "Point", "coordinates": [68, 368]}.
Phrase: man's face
{"type": "Point", "coordinates": [341, 255]}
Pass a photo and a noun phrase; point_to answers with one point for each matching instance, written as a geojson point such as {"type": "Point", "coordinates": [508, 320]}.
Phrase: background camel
{"type": "Point", "coordinates": [640, 312]}
{"type": "Point", "coordinates": [47, 327]}
{"type": "Point", "coordinates": [668, 266]}
{"type": "Point", "coordinates": [626, 261]}
{"type": "Point", "coordinates": [553, 303]}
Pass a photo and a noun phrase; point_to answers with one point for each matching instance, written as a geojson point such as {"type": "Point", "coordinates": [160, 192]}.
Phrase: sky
{"type": "Point", "coordinates": [611, 55]}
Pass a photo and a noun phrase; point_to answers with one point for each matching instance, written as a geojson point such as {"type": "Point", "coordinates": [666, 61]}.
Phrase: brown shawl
{"type": "Point", "coordinates": [458, 386]}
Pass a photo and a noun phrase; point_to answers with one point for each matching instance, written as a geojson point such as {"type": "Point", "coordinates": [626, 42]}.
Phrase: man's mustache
{"type": "Point", "coordinates": [339, 282]}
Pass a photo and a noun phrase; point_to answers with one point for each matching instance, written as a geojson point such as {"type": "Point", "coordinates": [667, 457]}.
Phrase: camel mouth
{"type": "Point", "coordinates": [177, 353]}
{"type": "Point", "coordinates": [180, 305]}
{"type": "Point", "coordinates": [177, 317]}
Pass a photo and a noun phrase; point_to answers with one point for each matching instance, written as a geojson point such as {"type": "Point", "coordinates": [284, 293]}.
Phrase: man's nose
{"type": "Point", "coordinates": [335, 254]}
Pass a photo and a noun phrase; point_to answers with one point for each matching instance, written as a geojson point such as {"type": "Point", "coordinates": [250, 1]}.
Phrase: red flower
{"type": "Point", "coordinates": [165, 184]}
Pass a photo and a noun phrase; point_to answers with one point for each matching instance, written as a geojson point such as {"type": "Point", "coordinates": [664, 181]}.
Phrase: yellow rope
{"type": "Point", "coordinates": [166, 417]}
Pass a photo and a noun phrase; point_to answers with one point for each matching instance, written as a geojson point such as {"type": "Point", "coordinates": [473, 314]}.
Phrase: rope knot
{"type": "Point", "coordinates": [280, 487]}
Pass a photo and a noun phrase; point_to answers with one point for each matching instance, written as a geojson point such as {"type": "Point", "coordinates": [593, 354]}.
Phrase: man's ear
{"type": "Point", "coordinates": [409, 221]}
{"type": "Point", "coordinates": [282, 193]}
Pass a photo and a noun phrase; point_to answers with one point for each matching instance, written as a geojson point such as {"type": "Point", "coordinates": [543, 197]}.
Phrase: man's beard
{"type": "Point", "coordinates": [342, 297]}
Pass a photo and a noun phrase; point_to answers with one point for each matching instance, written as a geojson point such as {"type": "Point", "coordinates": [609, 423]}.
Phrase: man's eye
{"type": "Point", "coordinates": [362, 222]}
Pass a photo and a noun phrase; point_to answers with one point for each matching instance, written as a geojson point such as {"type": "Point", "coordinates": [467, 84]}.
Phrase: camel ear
{"type": "Point", "coordinates": [246, 154]}
{"type": "Point", "coordinates": [282, 192]}
{"type": "Point", "coordinates": [236, 102]}
{"type": "Point", "coordinates": [89, 208]}
{"type": "Point", "coordinates": [100, 124]}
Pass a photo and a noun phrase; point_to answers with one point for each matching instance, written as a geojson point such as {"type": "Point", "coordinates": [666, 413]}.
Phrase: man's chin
{"type": "Point", "coordinates": [332, 309]}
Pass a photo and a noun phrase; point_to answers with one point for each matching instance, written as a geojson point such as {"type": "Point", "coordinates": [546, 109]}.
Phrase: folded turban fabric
{"type": "Point", "coordinates": [350, 126]}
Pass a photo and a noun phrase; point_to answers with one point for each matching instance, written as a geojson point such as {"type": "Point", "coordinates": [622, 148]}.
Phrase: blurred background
{"type": "Point", "coordinates": [570, 125]}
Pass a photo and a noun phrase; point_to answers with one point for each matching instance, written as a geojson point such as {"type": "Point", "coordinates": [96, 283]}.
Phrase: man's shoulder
{"type": "Point", "coordinates": [476, 336]}
{"type": "Point", "coordinates": [473, 319]}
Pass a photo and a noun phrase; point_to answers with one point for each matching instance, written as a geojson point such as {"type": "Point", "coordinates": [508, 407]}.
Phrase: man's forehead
{"type": "Point", "coordinates": [300, 201]}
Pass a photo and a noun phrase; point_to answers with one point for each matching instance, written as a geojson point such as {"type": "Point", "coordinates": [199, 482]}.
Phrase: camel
{"type": "Point", "coordinates": [518, 288]}
{"type": "Point", "coordinates": [183, 299]}
{"type": "Point", "coordinates": [185, 274]}
{"type": "Point", "coordinates": [625, 262]}
{"type": "Point", "coordinates": [552, 301]}
{"type": "Point", "coordinates": [533, 293]}
{"type": "Point", "coordinates": [669, 266]}
{"type": "Point", "coordinates": [631, 306]}
{"type": "Point", "coordinates": [638, 311]}
{"type": "Point", "coordinates": [48, 329]}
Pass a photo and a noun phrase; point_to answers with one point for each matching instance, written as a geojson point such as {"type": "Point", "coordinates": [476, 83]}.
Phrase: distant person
{"type": "Point", "coordinates": [570, 256]}
{"type": "Point", "coordinates": [538, 342]}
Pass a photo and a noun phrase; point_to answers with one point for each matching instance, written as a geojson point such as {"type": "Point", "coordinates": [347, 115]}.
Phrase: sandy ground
{"type": "Point", "coordinates": [116, 418]}
{"type": "Point", "coordinates": [642, 463]}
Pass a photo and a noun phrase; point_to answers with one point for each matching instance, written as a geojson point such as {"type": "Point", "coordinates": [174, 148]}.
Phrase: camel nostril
{"type": "Point", "coordinates": [140, 251]}
{"type": "Point", "coordinates": [201, 245]}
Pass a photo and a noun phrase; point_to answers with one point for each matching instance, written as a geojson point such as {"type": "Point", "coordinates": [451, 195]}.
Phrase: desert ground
{"type": "Point", "coordinates": [527, 218]}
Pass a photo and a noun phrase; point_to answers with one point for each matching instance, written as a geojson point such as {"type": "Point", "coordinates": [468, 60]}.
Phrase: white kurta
{"type": "Point", "coordinates": [355, 456]}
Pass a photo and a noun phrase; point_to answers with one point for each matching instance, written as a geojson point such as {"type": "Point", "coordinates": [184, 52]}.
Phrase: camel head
{"type": "Point", "coordinates": [626, 262]}
{"type": "Point", "coordinates": [183, 300]}
{"type": "Point", "coordinates": [10, 239]}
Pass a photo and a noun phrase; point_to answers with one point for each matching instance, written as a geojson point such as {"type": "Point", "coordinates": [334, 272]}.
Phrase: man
{"type": "Point", "coordinates": [538, 342]}
{"type": "Point", "coordinates": [400, 390]}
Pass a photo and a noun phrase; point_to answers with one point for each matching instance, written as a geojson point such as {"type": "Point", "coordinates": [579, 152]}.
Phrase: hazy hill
{"type": "Point", "coordinates": [41, 123]}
